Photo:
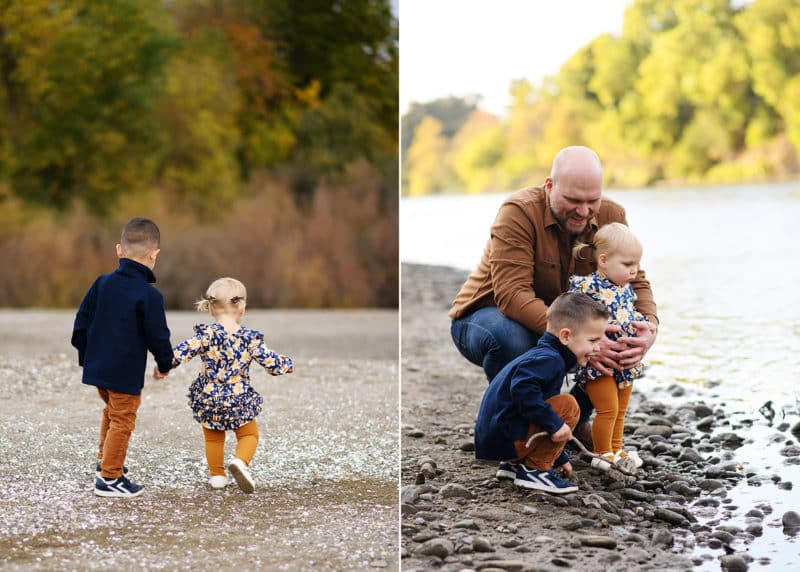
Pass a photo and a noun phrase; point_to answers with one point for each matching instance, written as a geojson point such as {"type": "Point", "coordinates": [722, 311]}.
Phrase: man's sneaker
{"type": "Point", "coordinates": [603, 462]}
{"type": "Point", "coordinates": [507, 470]}
{"type": "Point", "coordinates": [120, 487]}
{"type": "Point", "coordinates": [218, 482]}
{"type": "Point", "coordinates": [241, 474]}
{"type": "Point", "coordinates": [97, 470]}
{"type": "Point", "coordinates": [637, 460]}
{"type": "Point", "coordinates": [547, 481]}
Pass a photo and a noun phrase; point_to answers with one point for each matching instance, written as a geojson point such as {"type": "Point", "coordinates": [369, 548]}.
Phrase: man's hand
{"type": "Point", "coordinates": [563, 434]}
{"type": "Point", "coordinates": [638, 345]}
{"type": "Point", "coordinates": [565, 470]}
{"type": "Point", "coordinates": [158, 375]}
{"type": "Point", "coordinates": [608, 359]}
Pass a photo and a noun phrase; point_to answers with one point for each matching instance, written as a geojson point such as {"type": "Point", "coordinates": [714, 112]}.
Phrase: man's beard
{"type": "Point", "coordinates": [562, 222]}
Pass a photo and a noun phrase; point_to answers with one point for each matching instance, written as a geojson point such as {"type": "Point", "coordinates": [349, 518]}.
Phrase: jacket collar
{"type": "Point", "coordinates": [566, 354]}
{"type": "Point", "coordinates": [128, 267]}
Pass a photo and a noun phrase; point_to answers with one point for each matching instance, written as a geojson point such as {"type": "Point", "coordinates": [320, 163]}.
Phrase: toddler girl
{"type": "Point", "coordinates": [221, 397]}
{"type": "Point", "coordinates": [617, 253]}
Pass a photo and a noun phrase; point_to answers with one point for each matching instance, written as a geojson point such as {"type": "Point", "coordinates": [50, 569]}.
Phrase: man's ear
{"type": "Point", "coordinates": [548, 183]}
{"type": "Point", "coordinates": [119, 251]}
{"type": "Point", "coordinates": [564, 335]}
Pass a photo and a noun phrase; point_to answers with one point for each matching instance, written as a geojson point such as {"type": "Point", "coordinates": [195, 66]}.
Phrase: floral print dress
{"type": "Point", "coordinates": [620, 303]}
{"type": "Point", "coordinates": [221, 397]}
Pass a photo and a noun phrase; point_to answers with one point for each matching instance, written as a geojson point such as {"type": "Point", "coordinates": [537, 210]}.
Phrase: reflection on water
{"type": "Point", "coordinates": [724, 264]}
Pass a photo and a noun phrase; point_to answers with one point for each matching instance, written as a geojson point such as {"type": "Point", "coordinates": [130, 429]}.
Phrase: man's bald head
{"type": "Point", "coordinates": [575, 185]}
{"type": "Point", "coordinates": [577, 161]}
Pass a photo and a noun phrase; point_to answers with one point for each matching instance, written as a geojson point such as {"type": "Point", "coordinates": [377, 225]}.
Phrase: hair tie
{"type": "Point", "coordinates": [209, 299]}
{"type": "Point", "coordinates": [236, 299]}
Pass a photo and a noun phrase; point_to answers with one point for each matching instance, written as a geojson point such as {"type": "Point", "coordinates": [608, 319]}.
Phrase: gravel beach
{"type": "Point", "coordinates": [678, 515]}
{"type": "Point", "coordinates": [326, 467]}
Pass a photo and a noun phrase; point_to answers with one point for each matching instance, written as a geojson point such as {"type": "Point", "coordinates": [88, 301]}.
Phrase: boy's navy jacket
{"type": "Point", "coordinates": [121, 317]}
{"type": "Point", "coordinates": [516, 398]}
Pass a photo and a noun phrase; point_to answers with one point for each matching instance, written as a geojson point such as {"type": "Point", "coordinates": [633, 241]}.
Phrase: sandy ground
{"type": "Point", "coordinates": [326, 466]}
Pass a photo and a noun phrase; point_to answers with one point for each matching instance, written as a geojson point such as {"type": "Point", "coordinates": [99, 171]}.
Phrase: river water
{"type": "Point", "coordinates": [724, 264]}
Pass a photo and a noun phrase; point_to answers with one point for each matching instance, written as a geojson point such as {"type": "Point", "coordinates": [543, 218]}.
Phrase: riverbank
{"type": "Point", "coordinates": [325, 468]}
{"type": "Point", "coordinates": [681, 514]}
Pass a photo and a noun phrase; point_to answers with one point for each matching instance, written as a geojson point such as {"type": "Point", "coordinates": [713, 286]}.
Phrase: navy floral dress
{"type": "Point", "coordinates": [620, 303]}
{"type": "Point", "coordinates": [221, 397]}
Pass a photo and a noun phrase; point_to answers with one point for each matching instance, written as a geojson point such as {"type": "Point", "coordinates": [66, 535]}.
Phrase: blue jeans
{"type": "Point", "coordinates": [490, 340]}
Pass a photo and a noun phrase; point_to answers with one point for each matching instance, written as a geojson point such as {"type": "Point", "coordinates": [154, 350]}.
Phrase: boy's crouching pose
{"type": "Point", "coordinates": [525, 398]}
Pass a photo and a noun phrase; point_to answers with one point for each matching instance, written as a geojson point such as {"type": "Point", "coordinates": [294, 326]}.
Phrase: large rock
{"type": "Point", "coordinates": [791, 519]}
{"type": "Point", "coordinates": [599, 541]}
{"type": "Point", "coordinates": [440, 547]}
{"type": "Point", "coordinates": [453, 490]}
{"type": "Point", "coordinates": [662, 537]}
{"type": "Point", "coordinates": [733, 563]}
{"type": "Point", "coordinates": [648, 430]}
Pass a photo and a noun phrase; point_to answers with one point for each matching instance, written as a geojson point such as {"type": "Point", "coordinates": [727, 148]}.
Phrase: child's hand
{"type": "Point", "coordinates": [563, 434]}
{"type": "Point", "coordinates": [158, 375]}
{"type": "Point", "coordinates": [565, 470]}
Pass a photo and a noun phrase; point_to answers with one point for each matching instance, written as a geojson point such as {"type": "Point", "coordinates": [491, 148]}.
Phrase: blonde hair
{"type": "Point", "coordinates": [610, 238]}
{"type": "Point", "coordinates": [225, 294]}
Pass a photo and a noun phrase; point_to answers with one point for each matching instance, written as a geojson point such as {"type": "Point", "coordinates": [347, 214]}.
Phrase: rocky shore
{"type": "Point", "coordinates": [676, 515]}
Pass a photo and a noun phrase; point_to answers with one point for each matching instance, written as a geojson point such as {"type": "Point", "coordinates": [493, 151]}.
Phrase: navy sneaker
{"type": "Point", "coordinates": [120, 487]}
{"type": "Point", "coordinates": [507, 470]}
{"type": "Point", "coordinates": [547, 481]}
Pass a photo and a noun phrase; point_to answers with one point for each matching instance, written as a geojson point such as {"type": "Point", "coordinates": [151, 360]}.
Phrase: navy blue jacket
{"type": "Point", "coordinates": [516, 398]}
{"type": "Point", "coordinates": [121, 317]}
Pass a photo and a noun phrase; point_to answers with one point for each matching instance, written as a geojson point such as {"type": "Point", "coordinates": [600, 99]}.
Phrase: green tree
{"type": "Point", "coordinates": [79, 82]}
{"type": "Point", "coordinates": [771, 29]}
{"type": "Point", "coordinates": [451, 112]}
{"type": "Point", "coordinates": [424, 168]}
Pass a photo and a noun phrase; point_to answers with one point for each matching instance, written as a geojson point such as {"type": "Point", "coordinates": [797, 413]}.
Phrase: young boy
{"type": "Point", "coordinates": [120, 319]}
{"type": "Point", "coordinates": [525, 398]}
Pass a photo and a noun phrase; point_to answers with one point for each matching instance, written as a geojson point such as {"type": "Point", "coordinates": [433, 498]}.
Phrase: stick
{"type": "Point", "coordinates": [584, 451]}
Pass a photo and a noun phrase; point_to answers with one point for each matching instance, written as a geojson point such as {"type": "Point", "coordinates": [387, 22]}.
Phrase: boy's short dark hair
{"type": "Point", "coordinates": [140, 236]}
{"type": "Point", "coordinates": [574, 310]}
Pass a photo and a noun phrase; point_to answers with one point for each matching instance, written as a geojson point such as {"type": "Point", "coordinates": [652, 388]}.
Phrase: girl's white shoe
{"type": "Point", "coordinates": [218, 482]}
{"type": "Point", "coordinates": [637, 460]}
{"type": "Point", "coordinates": [241, 473]}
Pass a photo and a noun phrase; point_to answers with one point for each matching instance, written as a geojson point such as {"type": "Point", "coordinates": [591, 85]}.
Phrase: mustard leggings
{"type": "Point", "coordinates": [611, 403]}
{"type": "Point", "coordinates": [246, 442]}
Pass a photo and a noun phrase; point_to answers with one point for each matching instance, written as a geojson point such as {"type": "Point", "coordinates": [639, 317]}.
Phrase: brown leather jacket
{"type": "Point", "coordinates": [528, 260]}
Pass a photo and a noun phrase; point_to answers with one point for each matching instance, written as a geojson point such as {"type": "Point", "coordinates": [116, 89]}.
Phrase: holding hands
{"type": "Point", "coordinates": [158, 375]}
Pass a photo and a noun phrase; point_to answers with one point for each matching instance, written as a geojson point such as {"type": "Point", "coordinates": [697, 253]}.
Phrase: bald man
{"type": "Point", "coordinates": [500, 312]}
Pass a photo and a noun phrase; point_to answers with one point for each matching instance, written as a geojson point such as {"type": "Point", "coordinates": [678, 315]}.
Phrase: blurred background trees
{"type": "Point", "coordinates": [262, 136]}
{"type": "Point", "coordinates": [691, 91]}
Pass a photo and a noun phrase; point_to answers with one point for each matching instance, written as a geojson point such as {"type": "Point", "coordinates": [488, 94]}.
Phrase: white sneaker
{"type": "Point", "coordinates": [603, 463]}
{"type": "Point", "coordinates": [218, 482]}
{"type": "Point", "coordinates": [241, 474]}
{"type": "Point", "coordinates": [633, 455]}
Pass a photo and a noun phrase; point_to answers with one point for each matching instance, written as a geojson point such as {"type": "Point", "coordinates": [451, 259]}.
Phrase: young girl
{"type": "Point", "coordinates": [617, 252]}
{"type": "Point", "coordinates": [221, 397]}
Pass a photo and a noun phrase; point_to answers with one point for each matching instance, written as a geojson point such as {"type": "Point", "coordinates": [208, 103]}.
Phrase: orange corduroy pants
{"type": "Point", "coordinates": [610, 402]}
{"type": "Point", "coordinates": [543, 452]}
{"type": "Point", "coordinates": [246, 443]}
{"type": "Point", "coordinates": [116, 426]}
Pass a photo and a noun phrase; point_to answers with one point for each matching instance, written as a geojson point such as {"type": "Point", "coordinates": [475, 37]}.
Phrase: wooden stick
{"type": "Point", "coordinates": [584, 451]}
